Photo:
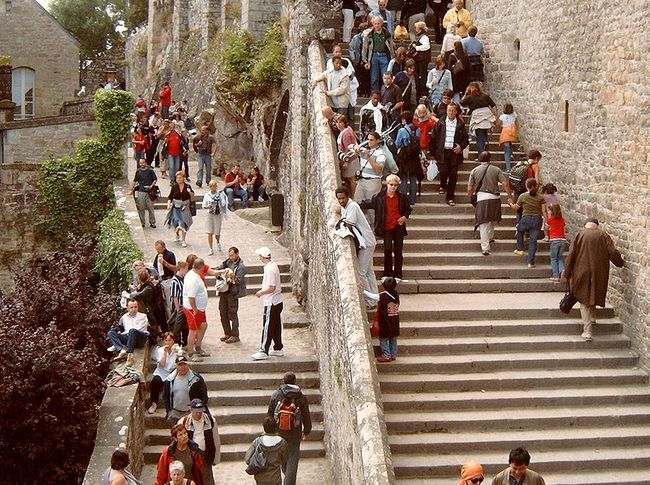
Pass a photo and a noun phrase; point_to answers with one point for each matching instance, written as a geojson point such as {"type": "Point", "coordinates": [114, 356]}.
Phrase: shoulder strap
{"type": "Point", "coordinates": [478, 187]}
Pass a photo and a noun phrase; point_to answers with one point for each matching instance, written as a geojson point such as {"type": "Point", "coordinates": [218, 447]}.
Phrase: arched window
{"type": "Point", "coordinates": [22, 92]}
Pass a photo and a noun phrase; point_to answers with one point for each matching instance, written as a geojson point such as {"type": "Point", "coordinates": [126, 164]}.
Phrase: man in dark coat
{"type": "Point", "coordinates": [446, 144]}
{"type": "Point", "coordinates": [392, 208]}
{"type": "Point", "coordinates": [292, 394]}
{"type": "Point", "coordinates": [587, 269]}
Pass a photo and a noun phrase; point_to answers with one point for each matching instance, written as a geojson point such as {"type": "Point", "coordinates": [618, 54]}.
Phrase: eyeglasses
{"type": "Point", "coordinates": [476, 480]}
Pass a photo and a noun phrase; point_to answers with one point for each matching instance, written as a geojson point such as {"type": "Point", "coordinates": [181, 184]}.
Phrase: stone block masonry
{"type": "Point", "coordinates": [257, 15]}
{"type": "Point", "coordinates": [33, 39]}
{"type": "Point", "coordinates": [579, 82]}
{"type": "Point", "coordinates": [31, 142]}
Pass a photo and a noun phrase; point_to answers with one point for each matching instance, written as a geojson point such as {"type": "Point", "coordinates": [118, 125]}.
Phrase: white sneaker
{"type": "Point", "coordinates": [259, 356]}
{"type": "Point", "coordinates": [277, 353]}
{"type": "Point", "coordinates": [587, 336]}
{"type": "Point", "coordinates": [111, 349]}
{"type": "Point", "coordinates": [152, 408]}
{"type": "Point", "coordinates": [183, 244]}
{"type": "Point", "coordinates": [211, 252]}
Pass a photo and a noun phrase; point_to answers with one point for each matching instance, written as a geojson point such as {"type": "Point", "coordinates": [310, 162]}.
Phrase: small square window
{"type": "Point", "coordinates": [7, 6]}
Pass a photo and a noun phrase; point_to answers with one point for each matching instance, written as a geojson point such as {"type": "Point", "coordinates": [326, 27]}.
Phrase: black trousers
{"type": "Point", "coordinates": [439, 10]}
{"type": "Point", "coordinates": [228, 308]}
{"type": "Point", "coordinates": [448, 173]}
{"type": "Point", "coordinates": [156, 386]}
{"type": "Point", "coordinates": [272, 328]}
{"type": "Point", "coordinates": [393, 244]}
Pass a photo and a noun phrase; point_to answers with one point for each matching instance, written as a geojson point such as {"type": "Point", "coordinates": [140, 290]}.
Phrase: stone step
{"type": "Point", "coordinates": [510, 380]}
{"type": "Point", "coordinates": [548, 439]}
{"type": "Point", "coordinates": [250, 397]}
{"type": "Point", "coordinates": [497, 285]}
{"type": "Point", "coordinates": [258, 380]}
{"type": "Point", "coordinates": [431, 205]}
{"type": "Point", "coordinates": [237, 451]}
{"type": "Point", "coordinates": [464, 348]}
{"type": "Point", "coordinates": [506, 328]}
{"type": "Point", "coordinates": [456, 232]}
{"type": "Point", "coordinates": [465, 221]}
{"type": "Point", "coordinates": [414, 361]}
{"type": "Point", "coordinates": [229, 433]}
{"type": "Point", "coordinates": [473, 258]}
{"type": "Point", "coordinates": [516, 419]}
{"type": "Point", "coordinates": [607, 476]}
{"type": "Point", "coordinates": [161, 203]}
{"type": "Point", "coordinates": [445, 466]}
{"type": "Point", "coordinates": [424, 245]}
{"type": "Point", "coordinates": [456, 272]}
{"type": "Point", "coordinates": [501, 399]}
{"type": "Point", "coordinates": [430, 194]}
{"type": "Point", "coordinates": [246, 368]}
{"type": "Point", "coordinates": [252, 279]}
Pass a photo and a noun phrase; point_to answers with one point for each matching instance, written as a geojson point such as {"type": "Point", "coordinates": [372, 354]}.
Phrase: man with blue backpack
{"type": "Point", "coordinates": [408, 155]}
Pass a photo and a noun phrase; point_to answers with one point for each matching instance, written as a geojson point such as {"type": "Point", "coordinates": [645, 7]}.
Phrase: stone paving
{"type": "Point", "coordinates": [247, 236]}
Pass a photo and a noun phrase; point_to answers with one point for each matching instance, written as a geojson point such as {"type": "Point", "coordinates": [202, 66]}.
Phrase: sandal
{"type": "Point", "coordinates": [451, 203]}
{"type": "Point", "coordinates": [442, 191]}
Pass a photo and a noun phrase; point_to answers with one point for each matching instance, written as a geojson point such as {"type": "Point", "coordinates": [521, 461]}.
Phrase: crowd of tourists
{"type": "Point", "coordinates": [413, 120]}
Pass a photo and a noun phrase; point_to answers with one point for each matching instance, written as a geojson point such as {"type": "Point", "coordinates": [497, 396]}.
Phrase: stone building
{"type": "Point", "coordinates": [44, 58]}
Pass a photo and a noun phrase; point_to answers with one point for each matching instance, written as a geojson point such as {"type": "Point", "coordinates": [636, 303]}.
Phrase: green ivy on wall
{"type": "Point", "coordinates": [78, 192]}
{"type": "Point", "coordinates": [116, 251]}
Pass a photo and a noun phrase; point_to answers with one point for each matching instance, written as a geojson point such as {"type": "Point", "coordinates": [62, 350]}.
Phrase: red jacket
{"type": "Point", "coordinates": [167, 456]}
{"type": "Point", "coordinates": [166, 97]}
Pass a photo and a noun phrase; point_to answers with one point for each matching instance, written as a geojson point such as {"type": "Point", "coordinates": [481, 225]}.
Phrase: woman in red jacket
{"type": "Point", "coordinates": [183, 450]}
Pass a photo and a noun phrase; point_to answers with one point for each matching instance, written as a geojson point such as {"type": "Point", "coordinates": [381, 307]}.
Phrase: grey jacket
{"type": "Point", "coordinates": [366, 49]}
{"type": "Point", "coordinates": [239, 288]}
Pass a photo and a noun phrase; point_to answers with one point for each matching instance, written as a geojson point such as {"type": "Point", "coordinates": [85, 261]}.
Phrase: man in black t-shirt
{"type": "Point", "coordinates": [391, 98]}
{"type": "Point", "coordinates": [144, 179]}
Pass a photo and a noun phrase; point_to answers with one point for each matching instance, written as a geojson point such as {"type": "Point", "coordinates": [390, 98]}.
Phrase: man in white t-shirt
{"type": "Point", "coordinates": [271, 294]}
{"type": "Point", "coordinates": [195, 302]}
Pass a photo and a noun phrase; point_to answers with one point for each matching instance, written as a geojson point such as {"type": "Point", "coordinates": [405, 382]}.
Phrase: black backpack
{"type": "Point", "coordinates": [517, 178]}
{"type": "Point", "coordinates": [408, 157]}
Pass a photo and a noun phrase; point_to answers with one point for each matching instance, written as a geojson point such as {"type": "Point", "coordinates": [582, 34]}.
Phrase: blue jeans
{"type": "Point", "coordinates": [557, 256]}
{"type": "Point", "coordinates": [204, 160]}
{"type": "Point", "coordinates": [239, 193]}
{"type": "Point", "coordinates": [507, 154]}
{"type": "Point", "coordinates": [532, 224]}
{"type": "Point", "coordinates": [388, 346]}
{"type": "Point", "coordinates": [481, 139]}
{"type": "Point", "coordinates": [409, 181]}
{"type": "Point", "coordinates": [174, 166]}
{"type": "Point", "coordinates": [133, 340]}
{"type": "Point", "coordinates": [378, 66]}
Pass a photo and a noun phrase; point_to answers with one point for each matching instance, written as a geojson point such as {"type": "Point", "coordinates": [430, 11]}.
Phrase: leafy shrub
{"type": "Point", "coordinates": [116, 252]}
{"type": "Point", "coordinates": [53, 328]}
{"type": "Point", "coordinates": [248, 69]}
{"type": "Point", "coordinates": [78, 191]}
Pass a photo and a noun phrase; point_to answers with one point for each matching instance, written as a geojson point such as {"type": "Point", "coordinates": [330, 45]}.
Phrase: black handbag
{"type": "Point", "coordinates": [567, 302]}
{"type": "Point", "coordinates": [257, 462]}
{"type": "Point", "coordinates": [193, 208]}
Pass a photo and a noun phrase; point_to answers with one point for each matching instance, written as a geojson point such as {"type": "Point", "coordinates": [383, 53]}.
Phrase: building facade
{"type": "Point", "coordinates": [44, 58]}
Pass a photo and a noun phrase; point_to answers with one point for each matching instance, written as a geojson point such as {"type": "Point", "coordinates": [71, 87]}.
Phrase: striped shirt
{"type": "Point", "coordinates": [176, 289]}
{"type": "Point", "coordinates": [450, 127]}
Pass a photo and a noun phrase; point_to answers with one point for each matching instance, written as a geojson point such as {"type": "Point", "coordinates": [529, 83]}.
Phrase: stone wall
{"type": "Point", "coordinates": [257, 15]}
{"type": "Point", "coordinates": [205, 18]}
{"type": "Point", "coordinates": [94, 74]}
{"type": "Point", "coordinates": [578, 80]}
{"type": "Point", "coordinates": [33, 141]}
{"type": "Point", "coordinates": [323, 264]}
{"type": "Point", "coordinates": [21, 207]}
{"type": "Point", "coordinates": [33, 39]}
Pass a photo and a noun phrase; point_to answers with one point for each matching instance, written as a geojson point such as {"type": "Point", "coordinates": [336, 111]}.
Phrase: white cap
{"type": "Point", "coordinates": [263, 252]}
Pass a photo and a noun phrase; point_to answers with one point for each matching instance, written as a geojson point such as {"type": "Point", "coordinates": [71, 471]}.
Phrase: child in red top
{"type": "Point", "coordinates": [558, 240]}
{"type": "Point", "coordinates": [139, 144]}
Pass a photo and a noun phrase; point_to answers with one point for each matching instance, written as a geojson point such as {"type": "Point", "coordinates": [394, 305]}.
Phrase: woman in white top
{"type": "Point", "coordinates": [217, 203]}
{"type": "Point", "coordinates": [448, 42]}
{"type": "Point", "coordinates": [439, 80]}
{"type": "Point", "coordinates": [165, 359]}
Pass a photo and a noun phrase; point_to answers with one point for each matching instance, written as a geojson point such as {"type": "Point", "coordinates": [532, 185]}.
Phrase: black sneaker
{"type": "Point", "coordinates": [153, 226]}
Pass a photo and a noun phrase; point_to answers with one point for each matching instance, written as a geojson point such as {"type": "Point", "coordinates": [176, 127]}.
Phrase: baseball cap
{"type": "Point", "coordinates": [181, 359]}
{"type": "Point", "coordinates": [197, 405]}
{"type": "Point", "coordinates": [263, 252]}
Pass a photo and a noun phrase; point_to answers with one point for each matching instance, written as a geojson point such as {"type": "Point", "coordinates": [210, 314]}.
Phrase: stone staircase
{"type": "Point", "coordinates": [487, 362]}
{"type": "Point", "coordinates": [239, 388]}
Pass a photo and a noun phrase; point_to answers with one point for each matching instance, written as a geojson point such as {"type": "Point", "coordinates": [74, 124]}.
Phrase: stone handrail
{"type": "Point", "coordinates": [356, 436]}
